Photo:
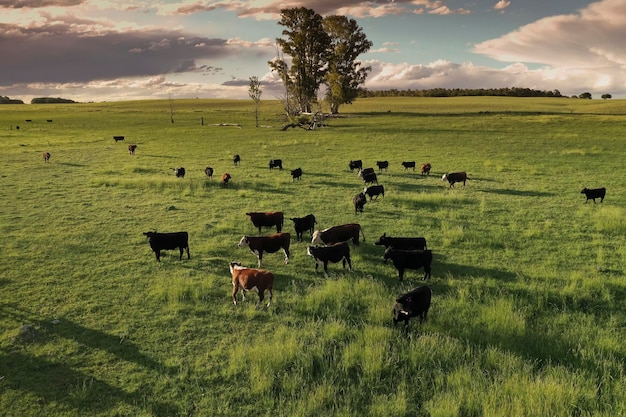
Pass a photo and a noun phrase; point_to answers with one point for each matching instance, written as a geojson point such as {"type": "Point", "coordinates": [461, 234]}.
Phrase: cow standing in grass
{"type": "Point", "coordinates": [250, 279]}
{"type": "Point", "coordinates": [594, 193]}
{"type": "Point", "coordinates": [168, 241]}
{"type": "Point", "coordinates": [414, 303]}
{"type": "Point", "coordinates": [46, 158]}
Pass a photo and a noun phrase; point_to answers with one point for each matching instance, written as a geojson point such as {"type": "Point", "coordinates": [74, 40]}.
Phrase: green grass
{"type": "Point", "coordinates": [528, 280]}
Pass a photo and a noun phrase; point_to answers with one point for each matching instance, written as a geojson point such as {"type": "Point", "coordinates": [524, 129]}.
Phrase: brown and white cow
{"type": "Point", "coordinates": [46, 158]}
{"type": "Point", "coordinates": [425, 168]}
{"type": "Point", "coordinates": [453, 177]}
{"type": "Point", "coordinates": [225, 178]}
{"type": "Point", "coordinates": [250, 279]}
{"type": "Point", "coordinates": [270, 244]}
{"type": "Point", "coordinates": [267, 219]}
{"type": "Point", "coordinates": [337, 234]}
{"type": "Point", "coordinates": [131, 149]}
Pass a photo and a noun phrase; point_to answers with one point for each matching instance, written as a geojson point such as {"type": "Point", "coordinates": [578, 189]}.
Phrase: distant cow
{"type": "Point", "coordinates": [267, 219]}
{"type": "Point", "coordinates": [208, 171]}
{"type": "Point", "coordinates": [356, 164]}
{"type": "Point", "coordinates": [359, 201]}
{"type": "Point", "coordinates": [409, 259]}
{"type": "Point", "coordinates": [382, 165]}
{"type": "Point", "coordinates": [225, 178]}
{"type": "Point", "coordinates": [374, 191]}
{"type": "Point", "coordinates": [236, 160]}
{"type": "Point", "coordinates": [414, 303]}
{"type": "Point", "coordinates": [296, 174]}
{"type": "Point", "coordinates": [46, 156]}
{"type": "Point", "coordinates": [333, 253]}
{"type": "Point", "coordinates": [250, 279]}
{"type": "Point", "coordinates": [370, 178]}
{"type": "Point", "coordinates": [338, 234]}
{"type": "Point", "coordinates": [409, 164]}
{"type": "Point", "coordinates": [365, 171]}
{"type": "Point", "coordinates": [131, 149]}
{"type": "Point", "coordinates": [425, 168]}
{"type": "Point", "coordinates": [179, 172]}
{"type": "Point", "coordinates": [276, 163]}
{"type": "Point", "coordinates": [168, 241]}
{"type": "Point", "coordinates": [302, 224]}
{"type": "Point", "coordinates": [270, 244]}
{"type": "Point", "coordinates": [594, 193]}
{"type": "Point", "coordinates": [454, 177]}
{"type": "Point", "coordinates": [401, 242]}
{"type": "Point", "coordinates": [118, 139]}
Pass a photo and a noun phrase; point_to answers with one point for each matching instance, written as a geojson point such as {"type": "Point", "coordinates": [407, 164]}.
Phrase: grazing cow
{"type": "Point", "coordinates": [409, 164]}
{"type": "Point", "coordinates": [225, 178]}
{"type": "Point", "coordinates": [267, 219]}
{"type": "Point", "coordinates": [250, 279]}
{"type": "Point", "coordinates": [276, 163]}
{"type": "Point", "coordinates": [382, 165]}
{"type": "Point", "coordinates": [131, 149]}
{"type": "Point", "coordinates": [453, 177]}
{"type": "Point", "coordinates": [356, 164]}
{"type": "Point", "coordinates": [338, 234]}
{"type": "Point", "coordinates": [270, 244]}
{"type": "Point", "coordinates": [414, 243]}
{"type": "Point", "coordinates": [370, 178]}
{"type": "Point", "coordinates": [364, 172]}
{"type": "Point", "coordinates": [118, 139]}
{"type": "Point", "coordinates": [594, 193]}
{"type": "Point", "coordinates": [374, 191]}
{"type": "Point", "coordinates": [180, 172]}
{"type": "Point", "coordinates": [414, 303]}
{"type": "Point", "coordinates": [46, 158]}
{"type": "Point", "coordinates": [236, 160]}
{"type": "Point", "coordinates": [302, 224]}
{"type": "Point", "coordinates": [359, 201]}
{"type": "Point", "coordinates": [426, 168]}
{"type": "Point", "coordinates": [168, 241]}
{"type": "Point", "coordinates": [333, 253]}
{"type": "Point", "coordinates": [208, 171]}
{"type": "Point", "coordinates": [409, 259]}
{"type": "Point", "coordinates": [296, 174]}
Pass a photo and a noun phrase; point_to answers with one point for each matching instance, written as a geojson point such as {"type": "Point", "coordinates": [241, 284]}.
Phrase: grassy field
{"type": "Point", "coordinates": [528, 314]}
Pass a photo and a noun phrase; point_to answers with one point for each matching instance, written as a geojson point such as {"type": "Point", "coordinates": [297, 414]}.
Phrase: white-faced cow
{"type": "Point", "coordinates": [236, 160]}
{"type": "Point", "coordinates": [408, 164]}
{"type": "Point", "coordinates": [132, 149]}
{"type": "Point", "coordinates": [374, 191]}
{"type": "Point", "coordinates": [179, 172]}
{"type": "Point", "coordinates": [276, 163]}
{"type": "Point", "coordinates": [356, 164]}
{"type": "Point", "coordinates": [225, 178]}
{"type": "Point", "coordinates": [46, 158]}
{"type": "Point", "coordinates": [250, 279]}
{"type": "Point", "coordinates": [333, 253]}
{"type": "Point", "coordinates": [359, 201]}
{"type": "Point", "coordinates": [414, 303]}
{"type": "Point", "coordinates": [302, 224]}
{"type": "Point", "coordinates": [425, 168]}
{"type": "Point", "coordinates": [365, 171]}
{"type": "Point", "coordinates": [270, 244]}
{"type": "Point", "coordinates": [208, 171]}
{"type": "Point", "coordinates": [168, 241]}
{"type": "Point", "coordinates": [454, 177]}
{"type": "Point", "coordinates": [267, 219]}
{"type": "Point", "coordinates": [401, 242]}
{"type": "Point", "coordinates": [338, 234]}
{"type": "Point", "coordinates": [594, 193]}
{"type": "Point", "coordinates": [409, 259]}
{"type": "Point", "coordinates": [382, 165]}
{"type": "Point", "coordinates": [296, 174]}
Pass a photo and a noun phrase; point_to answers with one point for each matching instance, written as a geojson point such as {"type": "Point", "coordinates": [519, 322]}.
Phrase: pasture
{"type": "Point", "coordinates": [527, 316]}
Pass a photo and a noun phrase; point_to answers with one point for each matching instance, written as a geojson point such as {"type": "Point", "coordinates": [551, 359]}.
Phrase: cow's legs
{"type": "Point", "coordinates": [235, 289]}
{"type": "Point", "coordinates": [286, 251]}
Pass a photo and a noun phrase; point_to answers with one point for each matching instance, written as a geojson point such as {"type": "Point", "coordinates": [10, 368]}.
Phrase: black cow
{"type": "Point", "coordinates": [267, 219]}
{"type": "Point", "coordinates": [296, 174]}
{"type": "Point", "coordinates": [236, 160]}
{"type": "Point", "coordinates": [594, 193]}
{"type": "Point", "coordinates": [414, 303]}
{"type": "Point", "coordinates": [356, 164]}
{"type": "Point", "coordinates": [334, 253]}
{"type": "Point", "coordinates": [365, 171]}
{"type": "Point", "coordinates": [118, 138]}
{"type": "Point", "coordinates": [302, 224]}
{"type": "Point", "coordinates": [179, 172]}
{"type": "Point", "coordinates": [374, 191]}
{"type": "Point", "coordinates": [208, 171]}
{"type": "Point", "coordinates": [270, 244]}
{"type": "Point", "coordinates": [409, 259]}
{"type": "Point", "coordinates": [168, 241]}
{"type": "Point", "coordinates": [276, 163]}
{"type": "Point", "coordinates": [408, 164]}
{"type": "Point", "coordinates": [382, 165]}
{"type": "Point", "coordinates": [453, 177]}
{"type": "Point", "coordinates": [359, 201]}
{"type": "Point", "coordinates": [370, 178]}
{"type": "Point", "coordinates": [401, 242]}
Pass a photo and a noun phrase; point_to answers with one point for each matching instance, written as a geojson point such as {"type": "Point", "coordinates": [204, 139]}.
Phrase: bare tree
{"type": "Point", "coordinates": [255, 94]}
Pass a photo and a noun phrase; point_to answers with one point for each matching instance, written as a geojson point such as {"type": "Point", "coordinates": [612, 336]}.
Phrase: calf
{"type": "Point", "coordinates": [414, 303]}
{"type": "Point", "coordinates": [208, 171]}
{"type": "Point", "coordinates": [46, 156]}
{"type": "Point", "coordinates": [594, 193]}
{"type": "Point", "coordinates": [409, 259]}
{"type": "Point", "coordinates": [118, 138]}
{"type": "Point", "coordinates": [267, 219]}
{"type": "Point", "coordinates": [249, 279]}
{"type": "Point", "coordinates": [356, 164]}
{"type": "Point", "coordinates": [334, 253]}
{"type": "Point", "coordinates": [359, 201]}
{"type": "Point", "coordinates": [296, 174]}
{"type": "Point", "coordinates": [131, 149]}
{"type": "Point", "coordinates": [276, 163]}
{"type": "Point", "coordinates": [338, 234]}
{"type": "Point", "coordinates": [374, 191]}
{"type": "Point", "coordinates": [455, 177]}
{"type": "Point", "coordinates": [236, 160]}
{"type": "Point", "coordinates": [425, 168]}
{"type": "Point", "coordinates": [179, 172]}
{"type": "Point", "coordinates": [168, 241]}
{"type": "Point", "coordinates": [225, 178]}
{"type": "Point", "coordinates": [270, 244]}
{"type": "Point", "coordinates": [302, 224]}
{"type": "Point", "coordinates": [401, 242]}
{"type": "Point", "coordinates": [409, 164]}
{"type": "Point", "coordinates": [382, 165]}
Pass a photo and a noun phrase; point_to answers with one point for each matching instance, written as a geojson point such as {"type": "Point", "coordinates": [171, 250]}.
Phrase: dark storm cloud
{"type": "Point", "coordinates": [59, 54]}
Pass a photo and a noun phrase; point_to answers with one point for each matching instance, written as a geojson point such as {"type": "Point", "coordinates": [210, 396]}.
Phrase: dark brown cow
{"type": "Point", "coordinates": [302, 224]}
{"type": "Point", "coordinates": [267, 219]}
{"type": "Point", "coordinates": [225, 178]}
{"type": "Point", "coordinates": [594, 193]}
{"type": "Point", "coordinates": [359, 201]}
{"type": "Point", "coordinates": [365, 171]}
{"type": "Point", "coordinates": [337, 234]}
{"type": "Point", "coordinates": [249, 279]}
{"type": "Point", "coordinates": [208, 171]}
{"type": "Point", "coordinates": [236, 160]}
{"type": "Point", "coordinates": [409, 164]}
{"type": "Point", "coordinates": [425, 168]}
{"type": "Point", "coordinates": [131, 149]}
{"type": "Point", "coordinates": [46, 158]}
{"type": "Point", "coordinates": [296, 174]}
{"type": "Point", "coordinates": [453, 177]}
{"type": "Point", "coordinates": [270, 244]}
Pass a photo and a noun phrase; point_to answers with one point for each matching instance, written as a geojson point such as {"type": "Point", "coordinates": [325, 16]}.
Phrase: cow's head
{"type": "Point", "coordinates": [399, 313]}
{"type": "Point", "coordinates": [244, 242]}
{"type": "Point", "coordinates": [150, 234]}
{"type": "Point", "coordinates": [235, 265]}
{"type": "Point", "coordinates": [317, 238]}
{"type": "Point", "coordinates": [444, 177]}
{"type": "Point", "coordinates": [380, 239]}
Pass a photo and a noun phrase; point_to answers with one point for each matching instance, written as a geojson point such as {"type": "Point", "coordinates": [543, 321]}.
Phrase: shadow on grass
{"type": "Point", "coordinates": [519, 193]}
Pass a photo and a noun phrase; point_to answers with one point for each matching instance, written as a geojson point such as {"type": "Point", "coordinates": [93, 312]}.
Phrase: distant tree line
{"type": "Point", "coordinates": [462, 92]}
{"type": "Point", "coordinates": [47, 100]}
{"type": "Point", "coordinates": [7, 100]}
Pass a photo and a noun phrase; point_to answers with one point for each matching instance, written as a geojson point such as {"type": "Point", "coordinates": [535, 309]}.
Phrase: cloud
{"type": "Point", "coordinates": [34, 4]}
{"type": "Point", "coordinates": [501, 5]}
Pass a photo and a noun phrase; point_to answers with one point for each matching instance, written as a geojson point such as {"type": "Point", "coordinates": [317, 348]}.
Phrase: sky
{"type": "Point", "coordinates": [114, 50]}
